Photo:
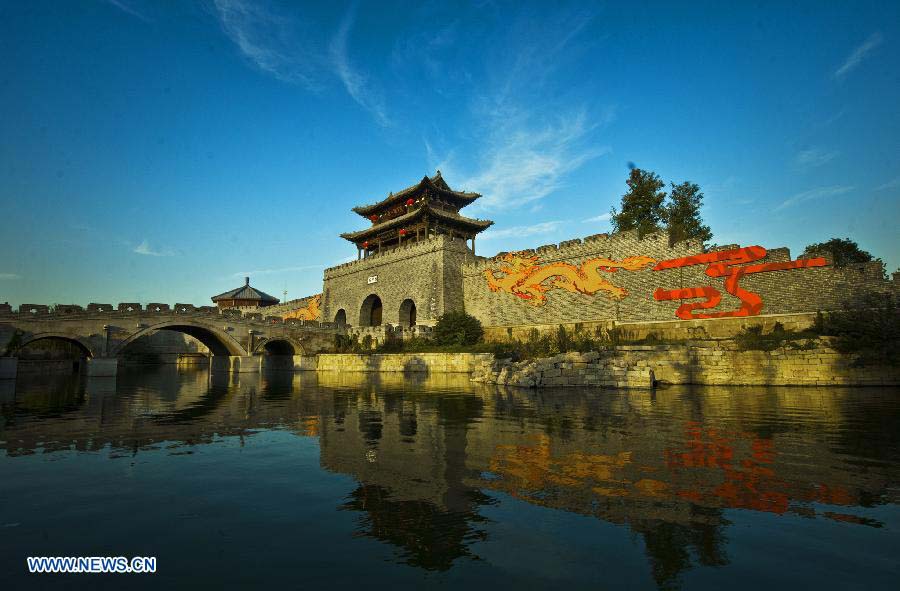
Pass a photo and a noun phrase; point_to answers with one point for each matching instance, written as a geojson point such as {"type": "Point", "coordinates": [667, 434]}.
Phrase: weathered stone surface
{"type": "Point", "coordinates": [701, 362]}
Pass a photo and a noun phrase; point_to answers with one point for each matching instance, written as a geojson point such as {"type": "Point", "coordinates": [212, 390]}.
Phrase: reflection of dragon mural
{"type": "Point", "coordinates": [528, 280]}
{"type": "Point", "coordinates": [310, 312]}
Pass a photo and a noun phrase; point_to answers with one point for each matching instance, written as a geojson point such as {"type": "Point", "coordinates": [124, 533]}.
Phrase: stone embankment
{"type": "Point", "coordinates": [703, 362]}
{"type": "Point", "coordinates": [402, 362]}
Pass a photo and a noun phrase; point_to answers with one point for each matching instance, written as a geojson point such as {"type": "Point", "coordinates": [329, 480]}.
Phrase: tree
{"type": "Point", "coordinates": [843, 252]}
{"type": "Point", "coordinates": [642, 205]}
{"type": "Point", "coordinates": [682, 214]}
{"type": "Point", "coordinates": [457, 328]}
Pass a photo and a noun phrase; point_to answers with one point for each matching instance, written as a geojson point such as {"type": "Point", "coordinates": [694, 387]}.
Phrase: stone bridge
{"type": "Point", "coordinates": [237, 342]}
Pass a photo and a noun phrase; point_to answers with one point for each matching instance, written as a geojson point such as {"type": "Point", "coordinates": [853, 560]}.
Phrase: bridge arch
{"type": "Point", "coordinates": [79, 342]}
{"type": "Point", "coordinates": [218, 341]}
{"type": "Point", "coordinates": [278, 346]}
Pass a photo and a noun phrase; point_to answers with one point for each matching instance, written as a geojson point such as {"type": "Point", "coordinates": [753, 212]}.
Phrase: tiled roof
{"type": "Point", "coordinates": [245, 292]}
{"type": "Point", "coordinates": [436, 183]}
{"type": "Point", "coordinates": [455, 218]}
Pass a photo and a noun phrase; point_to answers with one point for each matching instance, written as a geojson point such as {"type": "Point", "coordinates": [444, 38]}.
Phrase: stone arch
{"type": "Point", "coordinates": [341, 317]}
{"type": "Point", "coordinates": [408, 313]}
{"type": "Point", "coordinates": [371, 311]}
{"type": "Point", "coordinates": [278, 346]}
{"type": "Point", "coordinates": [79, 342]}
{"type": "Point", "coordinates": [216, 340]}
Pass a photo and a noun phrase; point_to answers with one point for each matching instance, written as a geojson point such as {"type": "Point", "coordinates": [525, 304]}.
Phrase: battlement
{"type": "Point", "coordinates": [137, 311]}
{"type": "Point", "coordinates": [403, 252]}
{"type": "Point", "coordinates": [614, 246]}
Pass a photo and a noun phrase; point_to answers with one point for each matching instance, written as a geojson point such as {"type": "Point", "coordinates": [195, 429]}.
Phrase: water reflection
{"type": "Point", "coordinates": [440, 464]}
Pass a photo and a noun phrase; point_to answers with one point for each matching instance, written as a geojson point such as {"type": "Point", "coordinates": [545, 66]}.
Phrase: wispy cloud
{"type": "Point", "coordinates": [9, 276]}
{"type": "Point", "coordinates": [144, 249]}
{"type": "Point", "coordinates": [276, 44]}
{"type": "Point", "coordinates": [858, 55]}
{"type": "Point", "coordinates": [891, 184]}
{"type": "Point", "coordinates": [519, 231]}
{"type": "Point", "coordinates": [603, 217]}
{"type": "Point", "coordinates": [358, 86]}
{"type": "Point", "coordinates": [813, 158]}
{"type": "Point", "coordinates": [128, 9]}
{"type": "Point", "coordinates": [531, 139]}
{"type": "Point", "coordinates": [522, 163]}
{"type": "Point", "coordinates": [278, 271]}
{"type": "Point", "coordinates": [819, 193]}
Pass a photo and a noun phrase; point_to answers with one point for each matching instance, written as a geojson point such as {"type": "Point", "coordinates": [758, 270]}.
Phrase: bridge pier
{"type": "Point", "coordinates": [8, 368]}
{"type": "Point", "coordinates": [102, 367]}
{"type": "Point", "coordinates": [235, 363]}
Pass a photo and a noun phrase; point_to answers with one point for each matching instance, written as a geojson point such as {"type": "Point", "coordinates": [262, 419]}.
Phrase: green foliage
{"type": "Point", "coordinates": [457, 328]}
{"type": "Point", "coordinates": [843, 251]}
{"type": "Point", "coordinates": [366, 343]}
{"type": "Point", "coordinates": [645, 209]}
{"type": "Point", "coordinates": [642, 205]}
{"type": "Point", "coordinates": [682, 214]}
{"type": "Point", "coordinates": [15, 340]}
{"type": "Point", "coordinates": [869, 328]}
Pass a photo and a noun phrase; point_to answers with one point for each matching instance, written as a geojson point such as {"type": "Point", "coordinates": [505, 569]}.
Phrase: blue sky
{"type": "Point", "coordinates": [160, 151]}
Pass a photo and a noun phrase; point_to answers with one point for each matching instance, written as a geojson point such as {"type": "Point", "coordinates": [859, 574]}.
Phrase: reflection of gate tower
{"type": "Point", "coordinates": [408, 267]}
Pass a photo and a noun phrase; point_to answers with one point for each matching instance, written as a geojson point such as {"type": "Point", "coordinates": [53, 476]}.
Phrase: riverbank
{"type": "Point", "coordinates": [697, 362]}
{"type": "Point", "coordinates": [712, 362]}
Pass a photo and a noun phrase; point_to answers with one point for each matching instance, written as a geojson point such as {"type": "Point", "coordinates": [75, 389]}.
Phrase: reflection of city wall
{"type": "Point", "coordinates": [424, 451]}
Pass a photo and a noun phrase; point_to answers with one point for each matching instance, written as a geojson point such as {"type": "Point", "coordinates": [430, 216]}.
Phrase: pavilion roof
{"type": "Point", "coordinates": [454, 219]}
{"type": "Point", "coordinates": [435, 183]}
{"type": "Point", "coordinates": [245, 292]}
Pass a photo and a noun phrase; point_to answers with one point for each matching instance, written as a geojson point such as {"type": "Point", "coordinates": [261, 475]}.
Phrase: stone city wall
{"type": "Point", "coordinates": [428, 272]}
{"type": "Point", "coordinates": [402, 362]}
{"type": "Point", "coordinates": [305, 308]}
{"type": "Point", "coordinates": [548, 285]}
{"type": "Point", "coordinates": [664, 330]}
{"type": "Point", "coordinates": [707, 363]}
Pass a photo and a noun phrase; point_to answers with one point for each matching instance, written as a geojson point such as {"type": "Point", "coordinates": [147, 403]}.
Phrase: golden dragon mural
{"type": "Point", "coordinates": [525, 278]}
{"type": "Point", "coordinates": [310, 312]}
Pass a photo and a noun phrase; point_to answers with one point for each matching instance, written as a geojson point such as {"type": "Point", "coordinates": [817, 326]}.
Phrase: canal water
{"type": "Point", "coordinates": [351, 481]}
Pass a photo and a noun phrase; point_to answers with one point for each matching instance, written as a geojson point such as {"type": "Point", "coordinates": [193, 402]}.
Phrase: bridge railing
{"type": "Point", "coordinates": [133, 309]}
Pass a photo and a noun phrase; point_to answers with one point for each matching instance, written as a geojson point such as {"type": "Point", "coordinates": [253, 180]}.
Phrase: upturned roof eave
{"type": "Point", "coordinates": [472, 223]}
{"type": "Point", "coordinates": [463, 197]}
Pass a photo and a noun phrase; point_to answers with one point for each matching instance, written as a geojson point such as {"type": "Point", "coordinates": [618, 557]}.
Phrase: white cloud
{"type": "Point", "coordinates": [358, 85]}
{"type": "Point", "coordinates": [9, 276]}
{"type": "Point", "coordinates": [891, 184]}
{"type": "Point", "coordinates": [277, 271]}
{"type": "Point", "coordinates": [524, 163]}
{"type": "Point", "coordinates": [126, 8]}
{"type": "Point", "coordinates": [520, 231]}
{"type": "Point", "coordinates": [273, 43]}
{"type": "Point", "coordinates": [858, 55]}
{"type": "Point", "coordinates": [813, 194]}
{"type": "Point", "coordinates": [532, 139]}
{"type": "Point", "coordinates": [603, 217]}
{"type": "Point", "coordinates": [144, 249]}
{"type": "Point", "coordinates": [813, 158]}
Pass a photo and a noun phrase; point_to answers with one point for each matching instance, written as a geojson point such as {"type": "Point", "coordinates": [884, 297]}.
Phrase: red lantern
{"type": "Point", "coordinates": [403, 232]}
{"type": "Point", "coordinates": [374, 218]}
{"type": "Point", "coordinates": [409, 202]}
{"type": "Point", "coordinates": [366, 244]}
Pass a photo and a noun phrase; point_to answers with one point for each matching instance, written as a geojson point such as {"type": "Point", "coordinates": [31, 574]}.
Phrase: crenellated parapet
{"type": "Point", "coordinates": [626, 278]}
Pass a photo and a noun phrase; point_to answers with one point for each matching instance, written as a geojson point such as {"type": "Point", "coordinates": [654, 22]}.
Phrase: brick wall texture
{"type": "Point", "coordinates": [442, 274]}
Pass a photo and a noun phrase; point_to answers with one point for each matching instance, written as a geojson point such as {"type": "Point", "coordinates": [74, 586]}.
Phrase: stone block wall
{"type": "Point", "coordinates": [782, 292]}
{"type": "Point", "coordinates": [664, 330]}
{"type": "Point", "coordinates": [709, 363]}
{"type": "Point", "coordinates": [427, 272]}
{"type": "Point", "coordinates": [403, 362]}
